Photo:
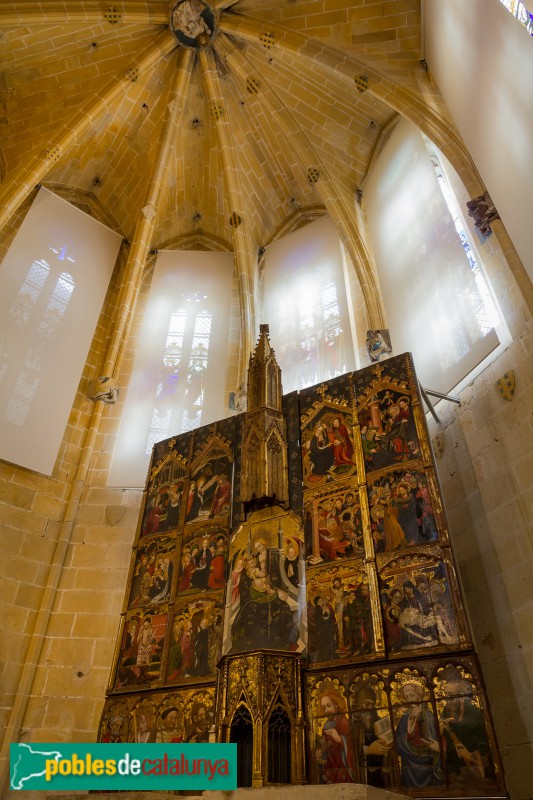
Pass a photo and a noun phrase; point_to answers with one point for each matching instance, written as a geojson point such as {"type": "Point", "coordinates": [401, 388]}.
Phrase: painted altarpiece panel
{"type": "Point", "coordinates": [143, 722]}
{"type": "Point", "coordinates": [181, 715]}
{"type": "Point", "coordinates": [203, 559]}
{"type": "Point", "coordinates": [343, 614]}
{"type": "Point", "coordinates": [265, 595]}
{"type": "Point", "coordinates": [196, 638]}
{"type": "Point", "coordinates": [420, 728]}
{"type": "Point", "coordinates": [336, 530]}
{"type": "Point", "coordinates": [210, 487]}
{"type": "Point", "coordinates": [164, 493]}
{"type": "Point", "coordinates": [138, 661]}
{"type": "Point", "coordinates": [391, 429]}
{"type": "Point", "coordinates": [362, 594]}
{"type": "Point", "coordinates": [469, 761]}
{"type": "Point", "coordinates": [327, 434]}
{"type": "Point", "coordinates": [402, 509]}
{"type": "Point", "coordinates": [114, 722]}
{"type": "Point", "coordinates": [376, 763]}
{"type": "Point", "coordinates": [331, 742]}
{"type": "Point", "coordinates": [152, 572]}
{"type": "Point", "coordinates": [420, 603]}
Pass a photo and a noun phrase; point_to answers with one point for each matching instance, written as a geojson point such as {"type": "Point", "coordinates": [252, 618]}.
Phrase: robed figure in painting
{"type": "Point", "coordinates": [417, 741]}
{"type": "Point", "coordinates": [334, 747]}
{"type": "Point", "coordinates": [373, 739]}
{"type": "Point", "coordinates": [467, 749]}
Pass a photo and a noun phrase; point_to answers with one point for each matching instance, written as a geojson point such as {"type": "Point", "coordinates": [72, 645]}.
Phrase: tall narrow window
{"type": "Point", "coordinates": [41, 322]}
{"type": "Point", "coordinates": [52, 285]}
{"type": "Point", "coordinates": [182, 381]}
{"type": "Point", "coordinates": [304, 302]}
{"type": "Point", "coordinates": [437, 302]}
{"type": "Point", "coordinates": [179, 372]}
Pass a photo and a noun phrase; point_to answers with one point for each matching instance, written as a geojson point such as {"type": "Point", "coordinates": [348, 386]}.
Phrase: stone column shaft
{"type": "Point", "coordinates": [245, 250]}
{"type": "Point", "coordinates": [127, 297]}
{"type": "Point", "coordinates": [325, 185]}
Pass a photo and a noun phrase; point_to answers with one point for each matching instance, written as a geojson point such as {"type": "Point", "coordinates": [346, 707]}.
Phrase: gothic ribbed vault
{"type": "Point", "coordinates": [269, 111]}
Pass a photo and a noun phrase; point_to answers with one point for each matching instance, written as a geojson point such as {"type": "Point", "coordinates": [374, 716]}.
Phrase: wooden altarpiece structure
{"type": "Point", "coordinates": [293, 589]}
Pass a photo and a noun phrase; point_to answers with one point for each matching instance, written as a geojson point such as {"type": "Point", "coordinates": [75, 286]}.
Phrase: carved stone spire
{"type": "Point", "coordinates": [264, 375]}
{"type": "Point", "coordinates": [265, 471]}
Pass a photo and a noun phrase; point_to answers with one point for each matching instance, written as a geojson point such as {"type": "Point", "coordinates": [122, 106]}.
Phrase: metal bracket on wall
{"type": "Point", "coordinates": [426, 392]}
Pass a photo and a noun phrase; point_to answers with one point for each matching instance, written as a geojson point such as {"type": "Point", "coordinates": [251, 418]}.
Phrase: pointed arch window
{"type": "Point", "coordinates": [305, 301]}
{"type": "Point", "coordinates": [242, 734]}
{"type": "Point", "coordinates": [279, 746]}
{"type": "Point", "coordinates": [35, 318]}
{"type": "Point", "coordinates": [53, 281]}
{"type": "Point", "coordinates": [178, 380]}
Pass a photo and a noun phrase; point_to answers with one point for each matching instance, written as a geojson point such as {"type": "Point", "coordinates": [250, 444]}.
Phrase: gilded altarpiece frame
{"type": "Point", "coordinates": [370, 644]}
{"type": "Point", "coordinates": [402, 727]}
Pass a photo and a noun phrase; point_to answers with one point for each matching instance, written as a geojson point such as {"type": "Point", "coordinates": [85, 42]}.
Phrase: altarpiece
{"type": "Point", "coordinates": [293, 589]}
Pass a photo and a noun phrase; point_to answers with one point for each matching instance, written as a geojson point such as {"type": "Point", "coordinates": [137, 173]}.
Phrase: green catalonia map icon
{"type": "Point", "coordinates": [28, 763]}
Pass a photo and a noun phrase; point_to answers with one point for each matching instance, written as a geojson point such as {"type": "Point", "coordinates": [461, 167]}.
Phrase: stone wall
{"type": "Point", "coordinates": [486, 475]}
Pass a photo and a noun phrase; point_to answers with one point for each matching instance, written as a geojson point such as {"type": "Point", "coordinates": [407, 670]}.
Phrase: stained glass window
{"type": "Point", "coordinates": [520, 12]}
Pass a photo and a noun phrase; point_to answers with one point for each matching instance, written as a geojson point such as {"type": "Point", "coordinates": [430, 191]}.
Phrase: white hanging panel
{"type": "Point", "coordinates": [304, 302]}
{"type": "Point", "coordinates": [433, 306]}
{"type": "Point", "coordinates": [179, 373]}
{"type": "Point", "coordinates": [53, 282]}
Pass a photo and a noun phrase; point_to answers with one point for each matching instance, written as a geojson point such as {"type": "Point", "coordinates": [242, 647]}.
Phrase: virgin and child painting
{"type": "Point", "coordinates": [163, 509]}
{"type": "Point", "coordinates": [203, 561]}
{"type": "Point", "coordinates": [141, 648]}
{"type": "Point", "coordinates": [327, 447]}
{"type": "Point", "coordinates": [388, 430]}
{"type": "Point", "coordinates": [265, 592]}
{"type": "Point", "coordinates": [339, 614]}
{"type": "Point", "coordinates": [196, 640]}
{"type": "Point", "coordinates": [417, 609]}
{"type": "Point", "coordinates": [337, 528]}
{"type": "Point", "coordinates": [151, 581]}
{"type": "Point", "coordinates": [209, 492]}
{"type": "Point", "coordinates": [401, 511]}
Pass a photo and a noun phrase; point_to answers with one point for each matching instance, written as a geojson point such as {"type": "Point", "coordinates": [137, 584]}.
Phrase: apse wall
{"type": "Point", "coordinates": [44, 546]}
{"type": "Point", "coordinates": [485, 470]}
{"type": "Point", "coordinates": [480, 57]}
{"type": "Point", "coordinates": [65, 547]}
